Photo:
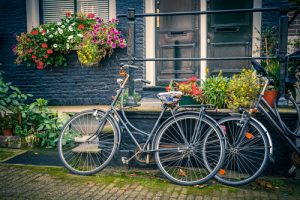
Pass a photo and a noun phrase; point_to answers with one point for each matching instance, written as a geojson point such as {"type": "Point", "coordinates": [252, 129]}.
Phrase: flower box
{"type": "Point", "coordinates": [187, 100]}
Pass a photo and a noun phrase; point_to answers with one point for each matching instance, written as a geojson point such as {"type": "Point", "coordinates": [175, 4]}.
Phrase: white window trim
{"type": "Point", "coordinates": [256, 29]}
{"type": "Point", "coordinates": [33, 14]}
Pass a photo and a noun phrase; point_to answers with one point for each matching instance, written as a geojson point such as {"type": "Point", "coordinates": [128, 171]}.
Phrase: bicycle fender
{"type": "Point", "coordinates": [267, 134]}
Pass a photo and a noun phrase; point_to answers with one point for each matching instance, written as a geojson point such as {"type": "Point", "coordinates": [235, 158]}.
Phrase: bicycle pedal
{"type": "Point", "coordinates": [293, 168]}
{"type": "Point", "coordinates": [124, 160]}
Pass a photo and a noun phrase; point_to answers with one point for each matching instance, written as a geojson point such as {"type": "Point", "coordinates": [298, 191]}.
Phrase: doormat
{"type": "Point", "coordinates": [48, 157]}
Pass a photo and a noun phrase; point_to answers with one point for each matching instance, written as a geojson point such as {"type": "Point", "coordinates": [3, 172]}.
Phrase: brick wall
{"type": "Point", "coordinates": [73, 85]}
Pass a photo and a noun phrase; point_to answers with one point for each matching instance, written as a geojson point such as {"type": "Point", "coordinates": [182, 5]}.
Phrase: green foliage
{"type": "Point", "coordinates": [40, 121]}
{"type": "Point", "coordinates": [215, 90]}
{"type": "Point", "coordinates": [273, 69]}
{"type": "Point", "coordinates": [242, 89]}
{"type": "Point", "coordinates": [8, 121]}
{"type": "Point", "coordinates": [137, 97]}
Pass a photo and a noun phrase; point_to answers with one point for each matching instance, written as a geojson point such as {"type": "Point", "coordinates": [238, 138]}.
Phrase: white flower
{"type": "Point", "coordinates": [45, 39]}
{"type": "Point", "coordinates": [67, 46]}
{"type": "Point", "coordinates": [67, 20]}
{"type": "Point", "coordinates": [70, 28]}
{"type": "Point", "coordinates": [55, 33]}
{"type": "Point", "coordinates": [70, 37]}
{"type": "Point", "coordinates": [60, 31]}
{"type": "Point", "coordinates": [58, 23]}
{"type": "Point", "coordinates": [63, 26]}
{"type": "Point", "coordinates": [79, 35]}
{"type": "Point", "coordinates": [51, 36]}
{"type": "Point", "coordinates": [73, 24]}
{"type": "Point", "coordinates": [52, 28]}
{"type": "Point", "coordinates": [40, 29]}
{"type": "Point", "coordinates": [55, 45]}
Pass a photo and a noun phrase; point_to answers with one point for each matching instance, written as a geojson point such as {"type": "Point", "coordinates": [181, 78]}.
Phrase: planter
{"type": "Point", "coordinates": [7, 132]}
{"type": "Point", "coordinates": [14, 142]}
{"type": "Point", "coordinates": [187, 100]}
{"type": "Point", "coordinates": [270, 96]}
{"type": "Point", "coordinates": [3, 141]}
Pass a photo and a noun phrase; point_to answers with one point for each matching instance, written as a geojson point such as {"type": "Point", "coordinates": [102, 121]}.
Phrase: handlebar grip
{"type": "Point", "coordinates": [146, 81]}
{"type": "Point", "coordinates": [130, 66]}
{"type": "Point", "coordinates": [143, 81]}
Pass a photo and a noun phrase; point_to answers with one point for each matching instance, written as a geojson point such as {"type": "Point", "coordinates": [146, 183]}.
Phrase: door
{"type": "Point", "coordinates": [229, 35]}
{"type": "Point", "coordinates": [177, 37]}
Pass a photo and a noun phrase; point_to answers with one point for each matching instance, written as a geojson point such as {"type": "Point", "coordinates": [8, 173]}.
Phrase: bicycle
{"type": "Point", "coordinates": [248, 145]}
{"type": "Point", "coordinates": [90, 139]}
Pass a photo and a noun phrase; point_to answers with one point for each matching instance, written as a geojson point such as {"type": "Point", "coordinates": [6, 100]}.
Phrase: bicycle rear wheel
{"type": "Point", "coordinates": [181, 152]}
{"type": "Point", "coordinates": [83, 151]}
{"type": "Point", "coordinates": [246, 159]}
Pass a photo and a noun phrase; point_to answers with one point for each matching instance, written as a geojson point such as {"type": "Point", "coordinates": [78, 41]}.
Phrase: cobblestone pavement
{"type": "Point", "coordinates": [25, 183]}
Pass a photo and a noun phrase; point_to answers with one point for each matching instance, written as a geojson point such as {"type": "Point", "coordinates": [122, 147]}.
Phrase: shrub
{"type": "Point", "coordinates": [242, 90]}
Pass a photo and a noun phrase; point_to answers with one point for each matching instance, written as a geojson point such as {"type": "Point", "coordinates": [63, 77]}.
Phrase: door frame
{"type": "Point", "coordinates": [150, 38]}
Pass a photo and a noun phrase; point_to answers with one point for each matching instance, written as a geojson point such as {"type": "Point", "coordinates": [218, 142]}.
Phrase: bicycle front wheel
{"type": "Point", "coordinates": [85, 146]}
{"type": "Point", "coordinates": [180, 151]}
{"type": "Point", "coordinates": [246, 155]}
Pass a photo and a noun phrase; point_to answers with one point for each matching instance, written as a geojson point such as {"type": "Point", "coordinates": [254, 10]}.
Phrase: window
{"type": "Point", "coordinates": [54, 10]}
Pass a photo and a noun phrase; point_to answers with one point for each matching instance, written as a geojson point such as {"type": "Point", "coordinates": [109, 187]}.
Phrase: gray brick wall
{"type": "Point", "coordinates": [73, 85]}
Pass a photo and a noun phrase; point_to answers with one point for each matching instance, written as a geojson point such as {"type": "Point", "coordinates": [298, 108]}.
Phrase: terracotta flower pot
{"type": "Point", "coordinates": [270, 96]}
{"type": "Point", "coordinates": [7, 132]}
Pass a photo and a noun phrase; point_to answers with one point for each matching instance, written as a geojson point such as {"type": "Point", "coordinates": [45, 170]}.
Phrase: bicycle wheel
{"type": "Point", "coordinates": [83, 151]}
{"type": "Point", "coordinates": [181, 151]}
{"type": "Point", "coordinates": [245, 158]}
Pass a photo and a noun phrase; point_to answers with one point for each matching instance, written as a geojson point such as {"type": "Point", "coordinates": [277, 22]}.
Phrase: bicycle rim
{"type": "Point", "coordinates": [183, 162]}
{"type": "Point", "coordinates": [246, 159]}
{"type": "Point", "coordinates": [81, 150]}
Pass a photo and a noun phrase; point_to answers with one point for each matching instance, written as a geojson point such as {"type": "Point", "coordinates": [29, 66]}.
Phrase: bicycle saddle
{"type": "Point", "coordinates": [170, 98]}
{"type": "Point", "coordinates": [259, 68]}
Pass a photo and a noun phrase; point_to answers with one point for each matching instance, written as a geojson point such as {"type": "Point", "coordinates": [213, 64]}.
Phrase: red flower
{"type": "Point", "coordinates": [91, 15]}
{"type": "Point", "coordinates": [34, 32]}
{"type": "Point", "coordinates": [44, 45]}
{"type": "Point", "coordinates": [81, 26]}
{"type": "Point", "coordinates": [192, 79]}
{"type": "Point", "coordinates": [68, 14]}
{"type": "Point", "coordinates": [30, 51]}
{"type": "Point", "coordinates": [33, 56]}
{"type": "Point", "coordinates": [45, 56]}
{"type": "Point", "coordinates": [196, 91]}
{"type": "Point", "coordinates": [36, 61]}
{"type": "Point", "coordinates": [49, 51]}
{"type": "Point", "coordinates": [43, 32]}
{"type": "Point", "coordinates": [40, 66]}
{"type": "Point", "coordinates": [168, 88]}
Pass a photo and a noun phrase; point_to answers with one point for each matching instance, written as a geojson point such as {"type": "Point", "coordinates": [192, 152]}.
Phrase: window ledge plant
{"type": "Point", "coordinates": [47, 44]}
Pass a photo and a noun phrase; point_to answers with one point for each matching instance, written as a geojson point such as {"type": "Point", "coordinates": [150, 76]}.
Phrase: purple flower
{"type": "Point", "coordinates": [114, 45]}
{"type": "Point", "coordinates": [122, 46]}
{"type": "Point", "coordinates": [116, 38]}
{"type": "Point", "coordinates": [94, 40]}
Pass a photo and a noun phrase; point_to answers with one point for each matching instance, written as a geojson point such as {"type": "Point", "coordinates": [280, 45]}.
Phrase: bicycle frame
{"type": "Point", "coordinates": [126, 123]}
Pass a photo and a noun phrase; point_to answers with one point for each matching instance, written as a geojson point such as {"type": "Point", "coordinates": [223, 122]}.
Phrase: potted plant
{"type": "Point", "coordinates": [192, 93]}
{"type": "Point", "coordinates": [215, 90]}
{"type": "Point", "coordinates": [7, 123]}
{"type": "Point", "coordinates": [242, 90]}
{"type": "Point", "coordinates": [273, 71]}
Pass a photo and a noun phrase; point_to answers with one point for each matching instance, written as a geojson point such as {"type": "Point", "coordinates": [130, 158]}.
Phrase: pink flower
{"type": "Point", "coordinates": [114, 45]}
{"type": "Point", "coordinates": [108, 41]}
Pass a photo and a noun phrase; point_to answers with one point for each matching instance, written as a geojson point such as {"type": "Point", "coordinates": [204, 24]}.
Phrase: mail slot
{"type": "Point", "coordinates": [177, 33]}
{"type": "Point", "coordinates": [227, 29]}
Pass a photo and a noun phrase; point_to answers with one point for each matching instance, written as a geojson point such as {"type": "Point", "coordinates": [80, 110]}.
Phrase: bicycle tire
{"type": "Point", "coordinates": [232, 172]}
{"type": "Point", "coordinates": [184, 164]}
{"type": "Point", "coordinates": [296, 131]}
{"type": "Point", "coordinates": [87, 157]}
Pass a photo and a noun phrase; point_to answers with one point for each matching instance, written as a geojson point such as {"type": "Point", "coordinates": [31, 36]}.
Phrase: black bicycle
{"type": "Point", "coordinates": [248, 143]}
{"type": "Point", "coordinates": [188, 146]}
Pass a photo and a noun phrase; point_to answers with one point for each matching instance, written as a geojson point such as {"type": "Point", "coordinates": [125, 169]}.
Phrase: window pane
{"type": "Point", "coordinates": [54, 10]}
{"type": "Point", "coordinates": [99, 7]}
